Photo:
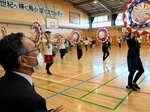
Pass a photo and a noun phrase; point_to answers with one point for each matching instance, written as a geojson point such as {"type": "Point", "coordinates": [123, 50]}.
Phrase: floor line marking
{"type": "Point", "coordinates": [97, 87]}
{"type": "Point", "coordinates": [78, 84]}
{"type": "Point", "coordinates": [127, 95]}
{"type": "Point", "coordinates": [71, 87]}
{"type": "Point", "coordinates": [93, 102]}
{"type": "Point", "coordinates": [72, 76]}
{"type": "Point", "coordinates": [61, 80]}
{"type": "Point", "coordinates": [75, 76]}
{"type": "Point", "coordinates": [67, 77]}
{"type": "Point", "coordinates": [77, 98]}
{"type": "Point", "coordinates": [88, 91]}
{"type": "Point", "coordinates": [90, 82]}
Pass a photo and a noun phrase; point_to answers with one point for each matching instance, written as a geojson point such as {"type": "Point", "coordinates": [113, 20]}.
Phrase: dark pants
{"type": "Point", "coordinates": [86, 47]}
{"type": "Point", "coordinates": [134, 63]}
{"type": "Point", "coordinates": [62, 53]}
{"type": "Point", "coordinates": [79, 53]}
{"type": "Point", "coordinates": [119, 45]}
{"type": "Point", "coordinates": [105, 54]}
{"type": "Point", "coordinates": [48, 65]}
{"type": "Point", "coordinates": [109, 45]}
{"type": "Point", "coordinates": [91, 45]}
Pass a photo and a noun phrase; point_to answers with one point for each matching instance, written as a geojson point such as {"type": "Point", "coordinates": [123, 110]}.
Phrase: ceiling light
{"type": "Point", "coordinates": [95, 1]}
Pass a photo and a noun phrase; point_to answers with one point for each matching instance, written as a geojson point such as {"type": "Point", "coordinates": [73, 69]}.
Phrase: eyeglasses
{"type": "Point", "coordinates": [36, 49]}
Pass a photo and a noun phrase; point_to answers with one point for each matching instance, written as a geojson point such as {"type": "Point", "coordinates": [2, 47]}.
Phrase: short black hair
{"type": "Point", "coordinates": [11, 47]}
{"type": "Point", "coordinates": [47, 32]}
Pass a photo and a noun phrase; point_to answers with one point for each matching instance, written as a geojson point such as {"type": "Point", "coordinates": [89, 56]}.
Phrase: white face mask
{"type": "Point", "coordinates": [40, 62]}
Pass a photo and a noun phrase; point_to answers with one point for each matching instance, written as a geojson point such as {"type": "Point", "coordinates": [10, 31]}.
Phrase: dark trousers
{"type": "Point", "coordinates": [109, 45]}
{"type": "Point", "coordinates": [48, 65]}
{"type": "Point", "coordinates": [134, 63]}
{"type": "Point", "coordinates": [79, 53]}
{"type": "Point", "coordinates": [86, 47]}
{"type": "Point", "coordinates": [62, 53]}
{"type": "Point", "coordinates": [105, 54]}
{"type": "Point", "coordinates": [119, 45]}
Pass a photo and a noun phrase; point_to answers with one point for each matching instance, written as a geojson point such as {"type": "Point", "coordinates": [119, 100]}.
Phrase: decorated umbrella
{"type": "Point", "coordinates": [57, 39]}
{"type": "Point", "coordinates": [37, 33]}
{"type": "Point", "coordinates": [136, 16]}
{"type": "Point", "coordinates": [102, 34]}
{"type": "Point", "coordinates": [76, 35]}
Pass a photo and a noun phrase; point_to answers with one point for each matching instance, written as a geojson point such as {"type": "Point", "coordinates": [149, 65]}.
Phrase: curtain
{"type": "Point", "coordinates": [114, 17]}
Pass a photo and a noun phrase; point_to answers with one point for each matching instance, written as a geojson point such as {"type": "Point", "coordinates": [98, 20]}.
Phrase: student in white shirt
{"type": "Point", "coordinates": [48, 55]}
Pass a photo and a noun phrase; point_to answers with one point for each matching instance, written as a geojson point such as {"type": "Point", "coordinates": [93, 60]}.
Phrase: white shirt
{"type": "Point", "coordinates": [29, 79]}
{"type": "Point", "coordinates": [48, 47]}
{"type": "Point", "coordinates": [119, 40]}
{"type": "Point", "coordinates": [62, 45]}
{"type": "Point", "coordinates": [86, 42]}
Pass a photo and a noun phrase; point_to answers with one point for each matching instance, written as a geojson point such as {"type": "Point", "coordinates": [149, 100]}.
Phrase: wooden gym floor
{"type": "Point", "coordinates": [89, 85]}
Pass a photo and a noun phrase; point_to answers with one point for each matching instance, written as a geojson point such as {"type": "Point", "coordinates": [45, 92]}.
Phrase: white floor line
{"type": "Point", "coordinates": [45, 79]}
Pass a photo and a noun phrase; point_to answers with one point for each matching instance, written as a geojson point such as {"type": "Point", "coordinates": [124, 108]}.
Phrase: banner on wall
{"type": "Point", "coordinates": [31, 8]}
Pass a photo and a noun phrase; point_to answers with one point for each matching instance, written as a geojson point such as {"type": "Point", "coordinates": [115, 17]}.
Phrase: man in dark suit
{"type": "Point", "coordinates": [20, 57]}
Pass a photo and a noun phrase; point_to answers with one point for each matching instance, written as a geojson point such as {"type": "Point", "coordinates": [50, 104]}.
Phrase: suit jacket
{"type": "Point", "coordinates": [17, 95]}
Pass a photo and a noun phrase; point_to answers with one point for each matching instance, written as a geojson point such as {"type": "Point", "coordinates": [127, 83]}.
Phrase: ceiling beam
{"type": "Point", "coordinates": [70, 3]}
{"type": "Point", "coordinates": [105, 6]}
{"type": "Point", "coordinates": [85, 2]}
{"type": "Point", "coordinates": [77, 7]}
{"type": "Point", "coordinates": [81, 9]}
{"type": "Point", "coordinates": [96, 8]}
{"type": "Point", "coordinates": [94, 14]}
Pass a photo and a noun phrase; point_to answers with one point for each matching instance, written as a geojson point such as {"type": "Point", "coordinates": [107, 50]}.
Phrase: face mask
{"type": "Point", "coordinates": [40, 62]}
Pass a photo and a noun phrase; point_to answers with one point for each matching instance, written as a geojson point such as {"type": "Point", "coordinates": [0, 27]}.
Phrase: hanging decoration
{"type": "Point", "coordinates": [102, 34]}
{"type": "Point", "coordinates": [37, 33]}
{"type": "Point", "coordinates": [136, 16]}
{"type": "Point", "coordinates": [76, 35]}
{"type": "Point", "coordinates": [57, 39]}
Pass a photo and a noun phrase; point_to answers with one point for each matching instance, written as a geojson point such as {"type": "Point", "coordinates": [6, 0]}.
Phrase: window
{"type": "Point", "coordinates": [94, 25]}
{"type": "Point", "coordinates": [119, 20]}
{"type": "Point", "coordinates": [95, 20]}
{"type": "Point", "coordinates": [101, 21]}
{"type": "Point", "coordinates": [102, 24]}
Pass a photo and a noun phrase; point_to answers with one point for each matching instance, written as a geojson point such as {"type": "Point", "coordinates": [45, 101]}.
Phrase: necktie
{"type": "Point", "coordinates": [33, 87]}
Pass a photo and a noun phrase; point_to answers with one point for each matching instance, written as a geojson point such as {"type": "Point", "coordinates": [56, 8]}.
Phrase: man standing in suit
{"type": "Point", "coordinates": [20, 57]}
